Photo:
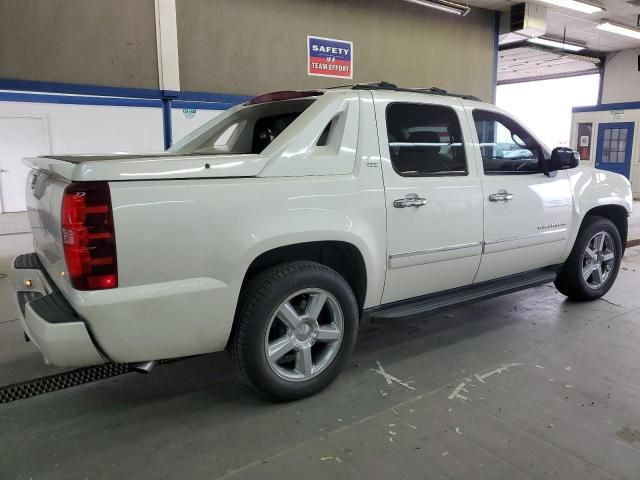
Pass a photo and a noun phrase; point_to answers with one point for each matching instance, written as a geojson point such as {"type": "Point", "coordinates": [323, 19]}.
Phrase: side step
{"type": "Point", "coordinates": [459, 296]}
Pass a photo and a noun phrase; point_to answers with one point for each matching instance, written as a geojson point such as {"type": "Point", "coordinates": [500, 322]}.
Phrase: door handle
{"type": "Point", "coordinates": [501, 196]}
{"type": "Point", "coordinates": [411, 200]}
{"type": "Point", "coordinates": [2, 170]}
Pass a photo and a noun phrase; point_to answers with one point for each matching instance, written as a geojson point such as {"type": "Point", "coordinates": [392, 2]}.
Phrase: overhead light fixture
{"type": "Point", "coordinates": [548, 42]}
{"type": "Point", "coordinates": [584, 7]}
{"type": "Point", "coordinates": [625, 30]}
{"type": "Point", "coordinates": [443, 6]}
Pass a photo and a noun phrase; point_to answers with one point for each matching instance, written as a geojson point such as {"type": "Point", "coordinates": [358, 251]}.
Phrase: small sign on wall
{"type": "Point", "coordinates": [189, 113]}
{"type": "Point", "coordinates": [617, 114]}
{"type": "Point", "coordinates": [329, 57]}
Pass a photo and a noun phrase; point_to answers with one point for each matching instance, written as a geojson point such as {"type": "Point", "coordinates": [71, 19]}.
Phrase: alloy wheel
{"type": "Point", "coordinates": [304, 335]}
{"type": "Point", "coordinates": [598, 260]}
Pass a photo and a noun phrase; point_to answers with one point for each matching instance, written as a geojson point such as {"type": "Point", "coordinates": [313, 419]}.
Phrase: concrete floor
{"type": "Point", "coordinates": [523, 386]}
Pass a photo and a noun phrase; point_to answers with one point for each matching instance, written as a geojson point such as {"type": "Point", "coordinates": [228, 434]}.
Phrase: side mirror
{"type": "Point", "coordinates": [563, 158]}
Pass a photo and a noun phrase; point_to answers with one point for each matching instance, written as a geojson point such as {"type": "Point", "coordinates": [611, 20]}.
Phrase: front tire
{"type": "Point", "coordinates": [296, 328]}
{"type": "Point", "coordinates": [594, 262]}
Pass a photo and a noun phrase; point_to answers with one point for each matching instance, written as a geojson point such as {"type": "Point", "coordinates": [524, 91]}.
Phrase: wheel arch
{"type": "Point", "coordinates": [343, 257]}
{"type": "Point", "coordinates": [616, 213]}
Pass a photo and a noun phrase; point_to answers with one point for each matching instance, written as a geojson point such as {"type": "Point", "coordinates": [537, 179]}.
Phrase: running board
{"type": "Point", "coordinates": [459, 296]}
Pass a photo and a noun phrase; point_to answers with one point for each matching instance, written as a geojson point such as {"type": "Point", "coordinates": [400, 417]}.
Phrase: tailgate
{"type": "Point", "coordinates": [44, 193]}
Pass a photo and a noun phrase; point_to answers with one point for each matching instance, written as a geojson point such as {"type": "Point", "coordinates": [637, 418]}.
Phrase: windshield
{"type": "Point", "coordinates": [242, 130]}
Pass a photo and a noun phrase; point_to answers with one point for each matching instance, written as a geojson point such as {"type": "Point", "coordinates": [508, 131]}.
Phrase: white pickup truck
{"type": "Point", "coordinates": [276, 227]}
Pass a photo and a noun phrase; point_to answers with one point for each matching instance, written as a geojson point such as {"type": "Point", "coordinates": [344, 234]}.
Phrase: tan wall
{"type": "Point", "coordinates": [253, 46]}
{"type": "Point", "coordinates": [98, 42]}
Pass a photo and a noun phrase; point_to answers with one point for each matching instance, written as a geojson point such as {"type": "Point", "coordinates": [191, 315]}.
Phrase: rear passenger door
{"type": "Point", "coordinates": [527, 215]}
{"type": "Point", "coordinates": [433, 194]}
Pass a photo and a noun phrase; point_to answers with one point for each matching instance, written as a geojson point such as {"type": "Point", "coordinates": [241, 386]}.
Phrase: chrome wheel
{"type": "Point", "coordinates": [598, 260]}
{"type": "Point", "coordinates": [304, 335]}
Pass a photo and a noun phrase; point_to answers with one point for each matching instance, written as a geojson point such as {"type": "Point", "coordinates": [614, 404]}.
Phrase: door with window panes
{"type": "Point", "coordinates": [614, 147]}
{"type": "Point", "coordinates": [433, 196]}
{"type": "Point", "coordinates": [527, 214]}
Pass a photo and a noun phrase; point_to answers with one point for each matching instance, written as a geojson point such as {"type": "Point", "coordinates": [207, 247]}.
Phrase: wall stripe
{"type": "Point", "coordinates": [78, 100]}
{"type": "Point", "coordinates": [603, 107]}
{"type": "Point", "coordinates": [107, 101]}
{"type": "Point", "coordinates": [203, 105]}
{"type": "Point", "coordinates": [135, 93]}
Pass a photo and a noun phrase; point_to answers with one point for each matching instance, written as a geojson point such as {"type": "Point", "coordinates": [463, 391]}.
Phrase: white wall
{"type": "Point", "coordinates": [621, 77]}
{"type": "Point", "coordinates": [104, 129]}
{"type": "Point", "coordinates": [628, 115]}
{"type": "Point", "coordinates": [95, 129]}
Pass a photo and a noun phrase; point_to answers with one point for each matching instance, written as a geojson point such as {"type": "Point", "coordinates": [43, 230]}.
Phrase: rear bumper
{"type": "Point", "coordinates": [48, 319]}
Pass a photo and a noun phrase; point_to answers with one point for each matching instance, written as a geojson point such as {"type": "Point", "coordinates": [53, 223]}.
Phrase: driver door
{"type": "Point", "coordinates": [527, 215]}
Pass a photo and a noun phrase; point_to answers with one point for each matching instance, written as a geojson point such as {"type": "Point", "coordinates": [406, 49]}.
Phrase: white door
{"type": "Point", "coordinates": [433, 195]}
{"type": "Point", "coordinates": [527, 215]}
{"type": "Point", "coordinates": [19, 137]}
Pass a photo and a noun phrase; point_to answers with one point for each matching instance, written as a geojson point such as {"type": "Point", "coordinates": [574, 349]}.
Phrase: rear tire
{"type": "Point", "coordinates": [594, 262]}
{"type": "Point", "coordinates": [296, 328]}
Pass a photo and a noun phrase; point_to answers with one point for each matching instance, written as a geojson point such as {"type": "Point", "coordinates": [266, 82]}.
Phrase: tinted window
{"type": "Point", "coordinates": [425, 140]}
{"type": "Point", "coordinates": [505, 146]}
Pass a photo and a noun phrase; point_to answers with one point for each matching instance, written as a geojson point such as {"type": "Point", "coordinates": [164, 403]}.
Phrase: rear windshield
{"type": "Point", "coordinates": [248, 130]}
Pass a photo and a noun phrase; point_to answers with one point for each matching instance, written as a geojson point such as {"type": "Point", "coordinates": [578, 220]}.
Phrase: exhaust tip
{"type": "Point", "coordinates": [142, 367]}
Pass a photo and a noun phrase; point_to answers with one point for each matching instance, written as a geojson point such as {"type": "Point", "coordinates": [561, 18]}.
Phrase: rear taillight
{"type": "Point", "coordinates": [88, 236]}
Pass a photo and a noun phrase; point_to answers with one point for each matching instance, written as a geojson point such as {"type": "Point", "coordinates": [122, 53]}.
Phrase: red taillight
{"type": "Point", "coordinates": [88, 236]}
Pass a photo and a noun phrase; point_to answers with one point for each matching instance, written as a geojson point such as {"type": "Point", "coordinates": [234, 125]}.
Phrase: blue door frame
{"type": "Point", "coordinates": [615, 140]}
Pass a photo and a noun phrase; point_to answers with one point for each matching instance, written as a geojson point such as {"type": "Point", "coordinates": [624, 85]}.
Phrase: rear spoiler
{"type": "Point", "coordinates": [63, 166]}
{"type": "Point", "coordinates": [58, 168]}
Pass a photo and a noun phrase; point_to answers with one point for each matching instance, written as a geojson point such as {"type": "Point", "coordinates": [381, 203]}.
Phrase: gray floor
{"type": "Point", "coordinates": [524, 386]}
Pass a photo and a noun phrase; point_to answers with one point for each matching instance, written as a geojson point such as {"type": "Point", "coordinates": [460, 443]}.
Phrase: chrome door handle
{"type": "Point", "coordinates": [501, 196]}
{"type": "Point", "coordinates": [409, 201]}
{"type": "Point", "coordinates": [2, 170]}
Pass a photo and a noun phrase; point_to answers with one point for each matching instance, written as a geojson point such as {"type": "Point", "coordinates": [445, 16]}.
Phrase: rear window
{"type": "Point", "coordinates": [267, 129]}
{"type": "Point", "coordinates": [247, 130]}
{"type": "Point", "coordinates": [425, 140]}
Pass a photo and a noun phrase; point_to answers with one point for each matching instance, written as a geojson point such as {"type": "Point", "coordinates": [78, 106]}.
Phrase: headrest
{"type": "Point", "coordinates": [424, 137]}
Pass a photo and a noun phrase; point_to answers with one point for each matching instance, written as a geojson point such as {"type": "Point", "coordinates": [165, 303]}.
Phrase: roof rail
{"type": "Point", "coordinates": [390, 86]}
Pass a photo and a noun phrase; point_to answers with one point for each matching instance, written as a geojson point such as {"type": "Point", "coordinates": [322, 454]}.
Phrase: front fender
{"type": "Point", "coordinates": [593, 188]}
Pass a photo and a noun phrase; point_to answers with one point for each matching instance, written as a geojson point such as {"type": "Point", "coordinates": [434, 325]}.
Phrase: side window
{"type": "Point", "coordinates": [507, 149]}
{"type": "Point", "coordinates": [425, 140]}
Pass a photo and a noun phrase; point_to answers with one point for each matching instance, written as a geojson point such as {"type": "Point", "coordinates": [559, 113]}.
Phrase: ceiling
{"type": "Point", "coordinates": [523, 64]}
{"type": "Point", "coordinates": [581, 27]}
{"type": "Point", "coordinates": [519, 61]}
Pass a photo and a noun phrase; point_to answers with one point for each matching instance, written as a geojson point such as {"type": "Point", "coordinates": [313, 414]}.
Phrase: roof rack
{"type": "Point", "coordinates": [390, 86]}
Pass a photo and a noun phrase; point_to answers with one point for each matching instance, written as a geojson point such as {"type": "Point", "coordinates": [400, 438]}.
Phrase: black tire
{"type": "Point", "coordinates": [259, 302]}
{"type": "Point", "coordinates": [570, 280]}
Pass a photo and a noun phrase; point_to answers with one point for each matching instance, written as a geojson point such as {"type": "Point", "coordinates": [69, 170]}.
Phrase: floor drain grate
{"type": "Point", "coordinates": [33, 388]}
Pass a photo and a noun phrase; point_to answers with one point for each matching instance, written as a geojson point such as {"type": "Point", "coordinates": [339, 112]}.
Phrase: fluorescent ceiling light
{"type": "Point", "coordinates": [584, 7]}
{"type": "Point", "coordinates": [547, 42]}
{"type": "Point", "coordinates": [619, 29]}
{"type": "Point", "coordinates": [444, 6]}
